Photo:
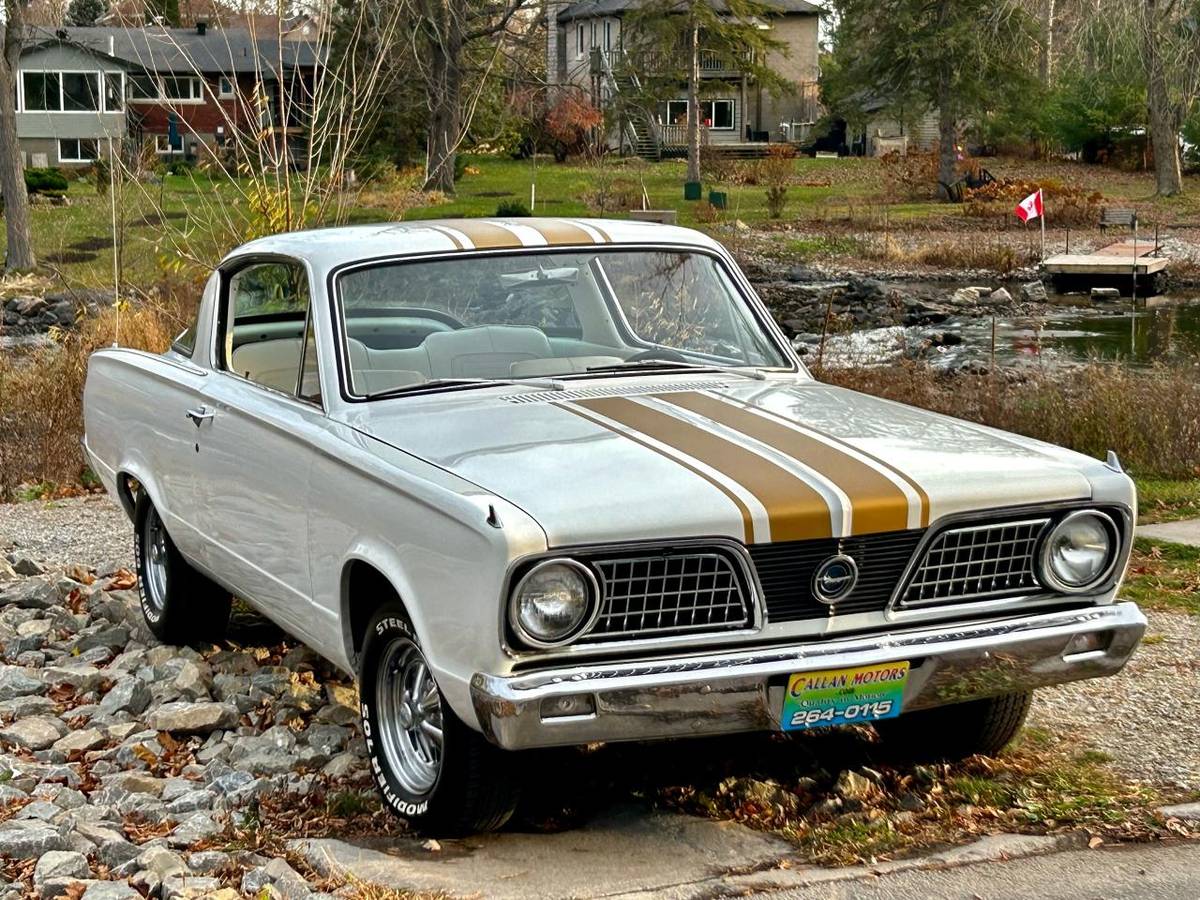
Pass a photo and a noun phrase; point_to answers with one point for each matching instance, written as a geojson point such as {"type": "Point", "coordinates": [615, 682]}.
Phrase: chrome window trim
{"type": "Point", "coordinates": [895, 612]}
{"type": "Point", "coordinates": [580, 552]}
{"type": "Point", "coordinates": [744, 290]}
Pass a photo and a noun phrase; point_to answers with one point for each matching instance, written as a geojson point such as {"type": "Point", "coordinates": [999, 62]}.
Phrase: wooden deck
{"type": "Point", "coordinates": [1112, 266]}
{"type": "Point", "coordinates": [1115, 259]}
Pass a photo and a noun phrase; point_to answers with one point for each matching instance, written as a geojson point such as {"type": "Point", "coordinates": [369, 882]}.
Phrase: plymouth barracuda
{"type": "Point", "coordinates": [543, 482]}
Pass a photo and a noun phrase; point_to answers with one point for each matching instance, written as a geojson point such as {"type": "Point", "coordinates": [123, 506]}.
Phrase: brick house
{"type": "Point", "coordinates": [186, 91]}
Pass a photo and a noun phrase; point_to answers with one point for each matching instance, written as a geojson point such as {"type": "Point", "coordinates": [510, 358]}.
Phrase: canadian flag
{"type": "Point", "coordinates": [1030, 207]}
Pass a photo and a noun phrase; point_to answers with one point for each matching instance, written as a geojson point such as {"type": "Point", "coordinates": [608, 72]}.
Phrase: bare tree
{"type": "Point", "coordinates": [12, 174]}
{"type": "Point", "coordinates": [445, 35]}
{"type": "Point", "coordinates": [1171, 53]}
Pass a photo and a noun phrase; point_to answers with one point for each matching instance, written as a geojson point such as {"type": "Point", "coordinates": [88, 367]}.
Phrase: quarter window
{"type": "Point", "coordinates": [268, 333]}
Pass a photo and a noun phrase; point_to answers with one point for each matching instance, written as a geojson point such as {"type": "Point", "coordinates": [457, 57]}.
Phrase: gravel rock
{"type": "Point", "coordinates": [16, 682]}
{"type": "Point", "coordinates": [58, 864]}
{"type": "Point", "coordinates": [88, 530]}
{"type": "Point", "coordinates": [129, 695]}
{"type": "Point", "coordinates": [27, 838]}
{"type": "Point", "coordinates": [34, 733]}
{"type": "Point", "coordinates": [192, 718]}
{"type": "Point", "coordinates": [1147, 718]}
{"type": "Point", "coordinates": [110, 890]}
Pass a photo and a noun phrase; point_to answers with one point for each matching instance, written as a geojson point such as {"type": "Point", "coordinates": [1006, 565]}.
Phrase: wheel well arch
{"type": "Point", "coordinates": [364, 589]}
{"type": "Point", "coordinates": [127, 490]}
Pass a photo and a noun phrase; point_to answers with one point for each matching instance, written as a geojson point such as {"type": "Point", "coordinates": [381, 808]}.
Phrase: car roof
{"type": "Point", "coordinates": [328, 248]}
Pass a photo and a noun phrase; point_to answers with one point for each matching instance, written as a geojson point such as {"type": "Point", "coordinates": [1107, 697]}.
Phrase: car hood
{"type": "Point", "coordinates": [783, 459]}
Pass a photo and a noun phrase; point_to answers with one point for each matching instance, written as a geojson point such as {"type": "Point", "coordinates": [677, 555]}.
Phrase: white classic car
{"type": "Point", "coordinates": [548, 482]}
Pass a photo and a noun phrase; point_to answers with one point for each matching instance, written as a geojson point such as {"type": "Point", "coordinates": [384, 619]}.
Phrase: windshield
{"type": "Point", "coordinates": [544, 315]}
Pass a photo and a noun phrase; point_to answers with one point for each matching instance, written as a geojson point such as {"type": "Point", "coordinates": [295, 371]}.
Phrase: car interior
{"type": "Point", "coordinates": [538, 324]}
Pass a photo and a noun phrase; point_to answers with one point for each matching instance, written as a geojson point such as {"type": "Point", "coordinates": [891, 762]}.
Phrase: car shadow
{"type": "Point", "coordinates": [566, 788]}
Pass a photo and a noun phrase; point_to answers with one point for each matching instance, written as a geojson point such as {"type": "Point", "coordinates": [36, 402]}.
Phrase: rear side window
{"type": "Point", "coordinates": [185, 344]}
{"type": "Point", "coordinates": [268, 334]}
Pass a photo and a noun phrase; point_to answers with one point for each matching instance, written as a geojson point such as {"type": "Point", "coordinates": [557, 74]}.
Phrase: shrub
{"type": "Point", "coordinates": [569, 123]}
{"type": "Point", "coordinates": [41, 391]}
{"type": "Point", "coordinates": [180, 167]}
{"type": "Point", "coordinates": [512, 209]}
{"type": "Point", "coordinates": [48, 182]}
{"type": "Point", "coordinates": [1066, 203]}
{"type": "Point", "coordinates": [777, 171]}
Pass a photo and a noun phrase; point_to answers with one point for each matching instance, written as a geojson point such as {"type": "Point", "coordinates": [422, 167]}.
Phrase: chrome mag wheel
{"type": "Point", "coordinates": [410, 716]}
{"type": "Point", "coordinates": [154, 538]}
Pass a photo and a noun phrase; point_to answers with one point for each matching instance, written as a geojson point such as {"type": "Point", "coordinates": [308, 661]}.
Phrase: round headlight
{"type": "Point", "coordinates": [552, 603]}
{"type": "Point", "coordinates": [1079, 552]}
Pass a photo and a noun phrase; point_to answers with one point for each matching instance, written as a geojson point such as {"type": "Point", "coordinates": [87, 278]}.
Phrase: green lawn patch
{"type": "Point", "coordinates": [1167, 500]}
{"type": "Point", "coordinates": [1164, 576]}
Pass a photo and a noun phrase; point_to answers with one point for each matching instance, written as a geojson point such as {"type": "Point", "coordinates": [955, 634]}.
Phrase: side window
{"type": "Point", "coordinates": [268, 331]}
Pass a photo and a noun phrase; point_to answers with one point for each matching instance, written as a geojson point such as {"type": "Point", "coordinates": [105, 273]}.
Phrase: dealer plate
{"type": "Point", "coordinates": [844, 696]}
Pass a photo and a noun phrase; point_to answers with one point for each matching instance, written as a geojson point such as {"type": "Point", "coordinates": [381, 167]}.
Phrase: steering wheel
{"type": "Point", "coordinates": [663, 353]}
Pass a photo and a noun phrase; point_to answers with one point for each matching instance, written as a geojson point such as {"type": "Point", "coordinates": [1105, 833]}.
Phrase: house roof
{"type": "Point", "coordinates": [590, 9]}
{"type": "Point", "coordinates": [184, 50]}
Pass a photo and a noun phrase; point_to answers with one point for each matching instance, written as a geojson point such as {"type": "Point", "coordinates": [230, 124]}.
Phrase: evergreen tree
{"type": "Point", "coordinates": [84, 13]}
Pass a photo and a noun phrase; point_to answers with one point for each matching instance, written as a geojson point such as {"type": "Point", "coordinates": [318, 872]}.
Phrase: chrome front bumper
{"type": "Point", "coordinates": [743, 691]}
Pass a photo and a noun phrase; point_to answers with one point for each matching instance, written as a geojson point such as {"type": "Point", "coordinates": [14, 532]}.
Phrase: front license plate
{"type": "Point", "coordinates": [844, 696]}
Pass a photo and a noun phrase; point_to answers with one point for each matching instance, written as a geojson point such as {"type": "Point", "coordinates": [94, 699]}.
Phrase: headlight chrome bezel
{"type": "Point", "coordinates": [587, 620]}
{"type": "Point", "coordinates": [1046, 569]}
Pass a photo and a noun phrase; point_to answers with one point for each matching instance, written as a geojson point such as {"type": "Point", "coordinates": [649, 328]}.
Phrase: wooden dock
{"type": "Point", "coordinates": [1111, 266]}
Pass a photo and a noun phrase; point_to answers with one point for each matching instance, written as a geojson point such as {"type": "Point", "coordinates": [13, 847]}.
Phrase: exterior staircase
{"type": "Point", "coordinates": [638, 130]}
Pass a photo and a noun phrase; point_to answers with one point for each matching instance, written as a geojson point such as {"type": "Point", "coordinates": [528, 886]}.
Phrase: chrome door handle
{"type": "Point", "coordinates": [200, 415]}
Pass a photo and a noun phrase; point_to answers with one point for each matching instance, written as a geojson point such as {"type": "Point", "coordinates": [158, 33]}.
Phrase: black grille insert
{"type": "Point", "coordinates": [785, 571]}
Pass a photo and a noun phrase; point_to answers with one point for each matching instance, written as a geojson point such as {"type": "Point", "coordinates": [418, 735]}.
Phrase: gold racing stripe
{"type": "Point", "coordinates": [921, 493]}
{"type": "Point", "coordinates": [449, 235]}
{"type": "Point", "coordinates": [557, 231]}
{"type": "Point", "coordinates": [747, 519]}
{"type": "Point", "coordinates": [486, 235]}
{"type": "Point", "coordinates": [876, 503]}
{"type": "Point", "coordinates": [795, 510]}
{"type": "Point", "coordinates": [604, 235]}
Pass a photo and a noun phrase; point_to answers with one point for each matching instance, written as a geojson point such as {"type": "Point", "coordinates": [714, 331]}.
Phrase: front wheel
{"type": "Point", "coordinates": [431, 768]}
{"type": "Point", "coordinates": [179, 604]}
{"type": "Point", "coordinates": [956, 731]}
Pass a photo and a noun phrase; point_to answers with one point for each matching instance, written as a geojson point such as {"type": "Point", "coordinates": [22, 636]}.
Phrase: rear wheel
{"type": "Point", "coordinates": [956, 731]}
{"type": "Point", "coordinates": [179, 604]}
{"type": "Point", "coordinates": [432, 769]}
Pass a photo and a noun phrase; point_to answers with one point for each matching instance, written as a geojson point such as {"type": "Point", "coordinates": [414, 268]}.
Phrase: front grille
{"type": "Point", "coordinates": [785, 573]}
{"type": "Point", "coordinates": [984, 561]}
{"type": "Point", "coordinates": [677, 593]}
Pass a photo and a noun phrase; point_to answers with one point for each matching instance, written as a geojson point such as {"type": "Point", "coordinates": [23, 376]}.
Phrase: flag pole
{"type": "Point", "coordinates": [1043, 218]}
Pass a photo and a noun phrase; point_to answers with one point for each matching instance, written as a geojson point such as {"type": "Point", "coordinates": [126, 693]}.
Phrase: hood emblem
{"type": "Point", "coordinates": [834, 579]}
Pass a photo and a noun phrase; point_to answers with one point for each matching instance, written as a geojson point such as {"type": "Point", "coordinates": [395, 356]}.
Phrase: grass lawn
{"type": "Point", "coordinates": [1166, 500]}
{"type": "Point", "coordinates": [1164, 576]}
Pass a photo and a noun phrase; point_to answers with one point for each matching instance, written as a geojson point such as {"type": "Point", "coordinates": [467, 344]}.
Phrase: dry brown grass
{"type": "Point", "coordinates": [41, 392]}
{"type": "Point", "coordinates": [1150, 417]}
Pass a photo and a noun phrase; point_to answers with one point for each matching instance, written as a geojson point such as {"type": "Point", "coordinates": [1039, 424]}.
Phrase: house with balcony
{"type": "Point", "coordinates": [187, 92]}
{"type": "Point", "coordinates": [589, 50]}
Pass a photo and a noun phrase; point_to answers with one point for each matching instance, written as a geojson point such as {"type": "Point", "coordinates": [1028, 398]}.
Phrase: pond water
{"type": "Point", "coordinates": [1166, 331]}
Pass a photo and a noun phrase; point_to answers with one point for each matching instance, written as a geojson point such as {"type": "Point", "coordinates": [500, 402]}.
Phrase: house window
{"type": "Point", "coordinates": [608, 26]}
{"type": "Point", "coordinates": [677, 112]}
{"type": "Point", "coordinates": [143, 86]}
{"type": "Point", "coordinates": [42, 91]}
{"type": "Point", "coordinates": [188, 90]}
{"type": "Point", "coordinates": [579, 45]}
{"type": "Point", "coordinates": [593, 29]}
{"type": "Point", "coordinates": [225, 88]}
{"type": "Point", "coordinates": [163, 145]}
{"type": "Point", "coordinates": [114, 93]}
{"type": "Point", "coordinates": [717, 114]}
{"type": "Point", "coordinates": [81, 91]}
{"type": "Point", "coordinates": [77, 150]}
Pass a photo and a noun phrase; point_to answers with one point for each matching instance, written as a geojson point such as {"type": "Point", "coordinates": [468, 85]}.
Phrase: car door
{"type": "Point", "coordinates": [253, 498]}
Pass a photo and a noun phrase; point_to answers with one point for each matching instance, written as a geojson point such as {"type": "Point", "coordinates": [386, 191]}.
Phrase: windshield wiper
{"type": "Point", "coordinates": [438, 385]}
{"type": "Point", "coordinates": [661, 365]}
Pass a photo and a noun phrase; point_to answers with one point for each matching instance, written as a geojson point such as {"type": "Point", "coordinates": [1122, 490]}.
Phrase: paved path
{"type": "Point", "coordinates": [1130, 873]}
{"type": "Point", "coordinates": [1186, 531]}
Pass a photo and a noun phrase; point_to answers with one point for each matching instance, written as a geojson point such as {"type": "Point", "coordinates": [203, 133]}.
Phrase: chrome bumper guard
{"type": "Point", "coordinates": [743, 690]}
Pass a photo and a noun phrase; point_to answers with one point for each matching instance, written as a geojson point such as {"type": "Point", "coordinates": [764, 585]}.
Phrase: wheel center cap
{"type": "Point", "coordinates": [405, 714]}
